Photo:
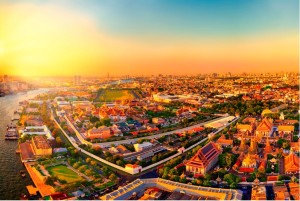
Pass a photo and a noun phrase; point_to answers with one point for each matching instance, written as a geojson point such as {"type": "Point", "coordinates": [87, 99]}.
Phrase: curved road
{"type": "Point", "coordinates": [148, 167]}
{"type": "Point", "coordinates": [130, 141]}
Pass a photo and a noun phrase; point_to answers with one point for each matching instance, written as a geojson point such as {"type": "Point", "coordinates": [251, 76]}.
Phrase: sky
{"type": "Point", "coordinates": [146, 37]}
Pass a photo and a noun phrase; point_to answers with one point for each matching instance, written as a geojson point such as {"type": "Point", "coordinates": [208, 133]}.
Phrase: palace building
{"type": "Point", "coordinates": [291, 163]}
{"type": "Point", "coordinates": [204, 159]}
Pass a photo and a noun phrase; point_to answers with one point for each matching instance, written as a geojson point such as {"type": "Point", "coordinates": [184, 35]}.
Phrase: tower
{"type": "Point", "coordinates": [281, 116]}
{"type": "Point", "coordinates": [268, 148]}
{"type": "Point", "coordinates": [77, 80]}
{"type": "Point", "coordinates": [243, 144]}
{"type": "Point", "coordinates": [253, 146]}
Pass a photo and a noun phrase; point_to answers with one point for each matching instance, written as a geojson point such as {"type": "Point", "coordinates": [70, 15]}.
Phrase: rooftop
{"type": "Point", "coordinates": [41, 142]}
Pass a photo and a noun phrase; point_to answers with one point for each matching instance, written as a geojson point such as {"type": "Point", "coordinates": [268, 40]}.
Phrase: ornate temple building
{"type": "Point", "coordinates": [244, 127]}
{"type": "Point", "coordinates": [204, 159]}
{"type": "Point", "coordinates": [249, 162]}
{"type": "Point", "coordinates": [291, 163]}
{"type": "Point", "coordinates": [264, 128]}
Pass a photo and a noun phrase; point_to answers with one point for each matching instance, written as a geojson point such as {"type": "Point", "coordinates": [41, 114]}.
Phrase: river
{"type": "Point", "coordinates": [12, 185]}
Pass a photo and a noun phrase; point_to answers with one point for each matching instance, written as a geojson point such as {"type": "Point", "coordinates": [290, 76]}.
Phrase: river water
{"type": "Point", "coordinates": [12, 185]}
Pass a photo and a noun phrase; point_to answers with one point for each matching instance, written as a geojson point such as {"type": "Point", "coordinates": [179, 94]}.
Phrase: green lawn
{"type": "Point", "coordinates": [64, 173]}
{"type": "Point", "coordinates": [109, 95]}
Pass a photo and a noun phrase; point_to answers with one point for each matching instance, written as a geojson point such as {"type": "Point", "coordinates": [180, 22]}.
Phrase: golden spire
{"type": "Point", "coordinates": [253, 147]}
{"type": "Point", "coordinates": [268, 148]}
{"type": "Point", "coordinates": [243, 144]}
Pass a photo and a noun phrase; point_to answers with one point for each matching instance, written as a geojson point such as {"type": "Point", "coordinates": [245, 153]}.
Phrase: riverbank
{"type": "Point", "coordinates": [12, 185]}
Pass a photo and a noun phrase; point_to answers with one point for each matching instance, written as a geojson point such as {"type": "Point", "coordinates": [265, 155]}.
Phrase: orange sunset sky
{"type": "Point", "coordinates": [89, 38]}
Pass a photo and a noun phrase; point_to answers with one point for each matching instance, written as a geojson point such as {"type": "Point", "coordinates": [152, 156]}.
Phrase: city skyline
{"type": "Point", "coordinates": [65, 38]}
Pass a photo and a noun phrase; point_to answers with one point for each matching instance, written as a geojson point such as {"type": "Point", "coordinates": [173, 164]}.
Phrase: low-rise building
{"type": "Point", "coordinates": [40, 146]}
{"type": "Point", "coordinates": [133, 169]}
{"type": "Point", "coordinates": [37, 130]}
{"type": "Point", "coordinates": [143, 146]}
{"type": "Point", "coordinates": [102, 132]}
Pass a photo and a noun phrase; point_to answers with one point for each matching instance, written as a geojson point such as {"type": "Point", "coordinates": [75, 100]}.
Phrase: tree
{"type": "Point", "coordinates": [88, 172]}
{"type": "Point", "coordinates": [286, 145]}
{"type": "Point", "coordinates": [112, 177]}
{"type": "Point", "coordinates": [106, 122]}
{"type": "Point", "coordinates": [88, 160]}
{"type": "Point", "coordinates": [58, 140]}
{"type": "Point", "coordinates": [55, 132]}
{"type": "Point", "coordinates": [154, 159]}
{"type": "Point", "coordinates": [94, 119]}
{"type": "Point", "coordinates": [296, 125]}
{"type": "Point", "coordinates": [106, 170]}
{"type": "Point", "coordinates": [120, 162]}
{"type": "Point", "coordinates": [50, 180]}
{"type": "Point", "coordinates": [231, 178]}
{"type": "Point", "coordinates": [207, 176]}
{"type": "Point", "coordinates": [233, 185]}
{"type": "Point", "coordinates": [93, 163]}
{"type": "Point", "coordinates": [182, 180]}
{"type": "Point", "coordinates": [76, 165]}
{"type": "Point", "coordinates": [228, 160]}
{"type": "Point", "coordinates": [206, 183]}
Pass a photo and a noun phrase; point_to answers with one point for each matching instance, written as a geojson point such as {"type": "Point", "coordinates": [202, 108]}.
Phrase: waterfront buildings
{"type": "Point", "coordinates": [41, 147]}
{"type": "Point", "coordinates": [37, 130]}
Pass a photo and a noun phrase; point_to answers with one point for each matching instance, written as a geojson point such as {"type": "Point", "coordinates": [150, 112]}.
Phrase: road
{"type": "Point", "coordinates": [148, 167]}
{"type": "Point", "coordinates": [131, 141]}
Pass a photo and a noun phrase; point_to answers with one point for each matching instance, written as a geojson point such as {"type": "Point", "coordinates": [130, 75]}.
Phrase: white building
{"type": "Point", "coordinates": [37, 130]}
{"type": "Point", "coordinates": [133, 169]}
{"type": "Point", "coordinates": [141, 147]}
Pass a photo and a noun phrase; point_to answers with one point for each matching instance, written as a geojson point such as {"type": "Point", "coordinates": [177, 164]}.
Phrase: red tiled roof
{"type": "Point", "coordinates": [59, 196]}
{"type": "Point", "coordinates": [204, 155]}
{"type": "Point", "coordinates": [246, 170]}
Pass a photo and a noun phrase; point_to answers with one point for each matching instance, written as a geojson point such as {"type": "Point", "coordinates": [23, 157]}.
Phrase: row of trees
{"type": "Point", "coordinates": [253, 107]}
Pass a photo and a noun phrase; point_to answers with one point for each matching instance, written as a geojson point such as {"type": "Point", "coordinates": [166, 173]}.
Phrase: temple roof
{"type": "Point", "coordinates": [291, 163]}
{"type": "Point", "coordinates": [204, 155]}
{"type": "Point", "coordinates": [265, 125]}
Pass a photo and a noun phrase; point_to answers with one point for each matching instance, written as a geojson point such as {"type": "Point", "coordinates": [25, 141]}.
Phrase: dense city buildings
{"type": "Point", "coordinates": [108, 136]}
{"type": "Point", "coordinates": [149, 100]}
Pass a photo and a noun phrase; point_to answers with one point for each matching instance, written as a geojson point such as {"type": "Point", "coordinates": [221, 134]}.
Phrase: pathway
{"type": "Point", "coordinates": [44, 189]}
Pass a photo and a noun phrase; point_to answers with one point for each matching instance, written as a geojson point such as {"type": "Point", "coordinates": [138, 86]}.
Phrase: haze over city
{"type": "Point", "coordinates": [65, 38]}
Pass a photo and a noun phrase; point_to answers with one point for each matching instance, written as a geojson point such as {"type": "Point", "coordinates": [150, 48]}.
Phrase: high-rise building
{"type": "Point", "coordinates": [77, 80]}
{"type": "Point", "coordinates": [5, 78]}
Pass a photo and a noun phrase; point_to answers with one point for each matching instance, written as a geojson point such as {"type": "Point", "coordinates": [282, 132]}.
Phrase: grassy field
{"type": "Point", "coordinates": [64, 173]}
{"type": "Point", "coordinates": [110, 95]}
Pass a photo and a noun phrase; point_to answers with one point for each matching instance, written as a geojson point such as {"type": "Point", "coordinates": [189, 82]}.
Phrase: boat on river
{"type": "Point", "coordinates": [11, 133]}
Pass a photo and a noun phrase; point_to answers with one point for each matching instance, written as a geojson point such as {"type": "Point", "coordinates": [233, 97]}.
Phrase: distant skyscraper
{"type": "Point", "coordinates": [5, 78]}
{"type": "Point", "coordinates": [77, 80]}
